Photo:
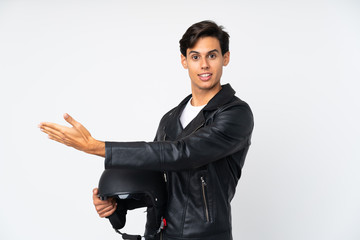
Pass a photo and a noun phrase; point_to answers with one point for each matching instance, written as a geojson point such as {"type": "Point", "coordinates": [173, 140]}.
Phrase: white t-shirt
{"type": "Point", "coordinates": [189, 113]}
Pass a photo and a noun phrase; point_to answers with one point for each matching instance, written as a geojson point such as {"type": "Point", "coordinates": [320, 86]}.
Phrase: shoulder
{"type": "Point", "coordinates": [236, 101]}
{"type": "Point", "coordinates": [236, 106]}
{"type": "Point", "coordinates": [234, 115]}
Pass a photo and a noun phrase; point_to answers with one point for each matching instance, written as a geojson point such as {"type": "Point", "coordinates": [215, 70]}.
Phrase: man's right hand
{"type": "Point", "coordinates": [76, 136]}
{"type": "Point", "coordinates": [103, 207]}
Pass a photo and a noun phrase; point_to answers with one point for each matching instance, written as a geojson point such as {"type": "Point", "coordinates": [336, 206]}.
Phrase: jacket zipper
{"type": "Point", "coordinates": [202, 124]}
{"type": "Point", "coordinates": [203, 185]}
{"type": "Point", "coordinates": [165, 175]}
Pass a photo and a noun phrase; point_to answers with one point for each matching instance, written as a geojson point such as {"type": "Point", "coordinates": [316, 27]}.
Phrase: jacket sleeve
{"type": "Point", "coordinates": [228, 133]}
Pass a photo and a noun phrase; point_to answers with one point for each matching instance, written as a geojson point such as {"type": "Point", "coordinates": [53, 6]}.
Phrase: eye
{"type": "Point", "coordinates": [195, 57]}
{"type": "Point", "coordinates": [212, 56]}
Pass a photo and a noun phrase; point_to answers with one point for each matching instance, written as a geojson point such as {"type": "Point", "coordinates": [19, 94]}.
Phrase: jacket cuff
{"type": "Point", "coordinates": [108, 155]}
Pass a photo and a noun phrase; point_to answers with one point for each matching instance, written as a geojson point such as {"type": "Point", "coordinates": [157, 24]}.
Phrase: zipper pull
{"type": "Point", "coordinates": [203, 181]}
{"type": "Point", "coordinates": [165, 177]}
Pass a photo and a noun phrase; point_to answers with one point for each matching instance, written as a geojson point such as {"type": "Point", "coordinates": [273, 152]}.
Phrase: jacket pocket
{"type": "Point", "coordinates": [205, 198]}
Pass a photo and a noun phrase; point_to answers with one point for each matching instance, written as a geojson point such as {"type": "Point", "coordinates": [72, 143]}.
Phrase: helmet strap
{"type": "Point", "coordinates": [128, 236]}
{"type": "Point", "coordinates": [138, 237]}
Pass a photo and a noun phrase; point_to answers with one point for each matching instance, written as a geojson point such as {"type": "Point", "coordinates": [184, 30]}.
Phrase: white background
{"type": "Point", "coordinates": [115, 67]}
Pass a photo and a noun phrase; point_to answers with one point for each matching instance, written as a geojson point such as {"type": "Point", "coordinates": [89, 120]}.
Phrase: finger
{"type": "Point", "coordinates": [52, 131]}
{"type": "Point", "coordinates": [98, 202]}
{"type": "Point", "coordinates": [53, 135]}
{"type": "Point", "coordinates": [57, 139]}
{"type": "Point", "coordinates": [106, 209]}
{"type": "Point", "coordinates": [54, 126]}
{"type": "Point", "coordinates": [70, 120]}
{"type": "Point", "coordinates": [102, 203]}
{"type": "Point", "coordinates": [103, 208]}
{"type": "Point", "coordinates": [95, 191]}
{"type": "Point", "coordinates": [96, 194]}
{"type": "Point", "coordinates": [60, 136]}
{"type": "Point", "coordinates": [108, 213]}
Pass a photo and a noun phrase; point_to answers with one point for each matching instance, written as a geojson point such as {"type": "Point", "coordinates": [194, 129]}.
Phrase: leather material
{"type": "Point", "coordinates": [202, 162]}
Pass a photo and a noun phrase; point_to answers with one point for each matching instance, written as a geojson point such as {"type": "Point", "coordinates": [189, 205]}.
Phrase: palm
{"type": "Point", "coordinates": [76, 136]}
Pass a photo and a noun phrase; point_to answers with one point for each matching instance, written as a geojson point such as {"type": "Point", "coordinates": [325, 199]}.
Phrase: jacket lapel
{"type": "Point", "coordinates": [173, 128]}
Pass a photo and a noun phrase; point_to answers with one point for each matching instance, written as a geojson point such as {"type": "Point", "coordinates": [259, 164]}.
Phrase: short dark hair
{"type": "Point", "coordinates": [204, 29]}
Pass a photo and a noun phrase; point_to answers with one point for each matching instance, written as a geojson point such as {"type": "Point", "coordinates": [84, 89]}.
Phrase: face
{"type": "Point", "coordinates": [204, 63]}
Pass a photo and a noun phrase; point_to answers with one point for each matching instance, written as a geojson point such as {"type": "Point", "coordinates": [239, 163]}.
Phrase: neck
{"type": "Point", "coordinates": [201, 97]}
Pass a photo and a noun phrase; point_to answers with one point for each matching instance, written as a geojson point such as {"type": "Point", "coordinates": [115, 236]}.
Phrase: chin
{"type": "Point", "coordinates": [208, 85]}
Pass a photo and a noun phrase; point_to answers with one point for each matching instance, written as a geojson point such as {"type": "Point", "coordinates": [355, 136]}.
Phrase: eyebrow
{"type": "Point", "coordinates": [195, 52]}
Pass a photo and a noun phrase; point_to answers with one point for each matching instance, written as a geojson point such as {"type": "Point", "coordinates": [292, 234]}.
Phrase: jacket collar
{"type": "Point", "coordinates": [222, 97]}
{"type": "Point", "coordinates": [174, 128]}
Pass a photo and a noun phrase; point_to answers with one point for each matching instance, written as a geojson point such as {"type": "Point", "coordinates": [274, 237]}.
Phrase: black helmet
{"type": "Point", "coordinates": [135, 189]}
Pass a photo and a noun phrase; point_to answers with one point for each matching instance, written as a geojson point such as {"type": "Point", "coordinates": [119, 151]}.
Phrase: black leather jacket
{"type": "Point", "coordinates": [202, 163]}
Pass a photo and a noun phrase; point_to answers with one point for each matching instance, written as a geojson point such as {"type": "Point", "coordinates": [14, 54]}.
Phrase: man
{"type": "Point", "coordinates": [201, 144]}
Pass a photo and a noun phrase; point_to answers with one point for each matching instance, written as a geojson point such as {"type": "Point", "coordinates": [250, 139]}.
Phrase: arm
{"type": "Point", "coordinates": [77, 136]}
{"type": "Point", "coordinates": [230, 132]}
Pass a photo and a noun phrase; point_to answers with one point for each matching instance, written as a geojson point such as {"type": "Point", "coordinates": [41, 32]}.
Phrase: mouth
{"type": "Point", "coordinates": [205, 76]}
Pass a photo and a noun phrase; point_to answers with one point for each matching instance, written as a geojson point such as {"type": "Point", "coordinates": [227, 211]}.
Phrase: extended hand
{"type": "Point", "coordinates": [76, 136]}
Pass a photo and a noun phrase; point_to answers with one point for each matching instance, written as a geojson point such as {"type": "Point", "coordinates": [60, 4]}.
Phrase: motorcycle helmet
{"type": "Point", "coordinates": [135, 189]}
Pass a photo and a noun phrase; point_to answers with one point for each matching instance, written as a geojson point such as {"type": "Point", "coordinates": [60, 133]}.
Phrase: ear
{"type": "Point", "coordinates": [226, 58]}
{"type": "Point", "coordinates": [183, 61]}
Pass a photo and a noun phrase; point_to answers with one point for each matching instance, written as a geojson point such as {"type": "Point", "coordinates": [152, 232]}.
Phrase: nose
{"type": "Point", "coordinates": [204, 64]}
